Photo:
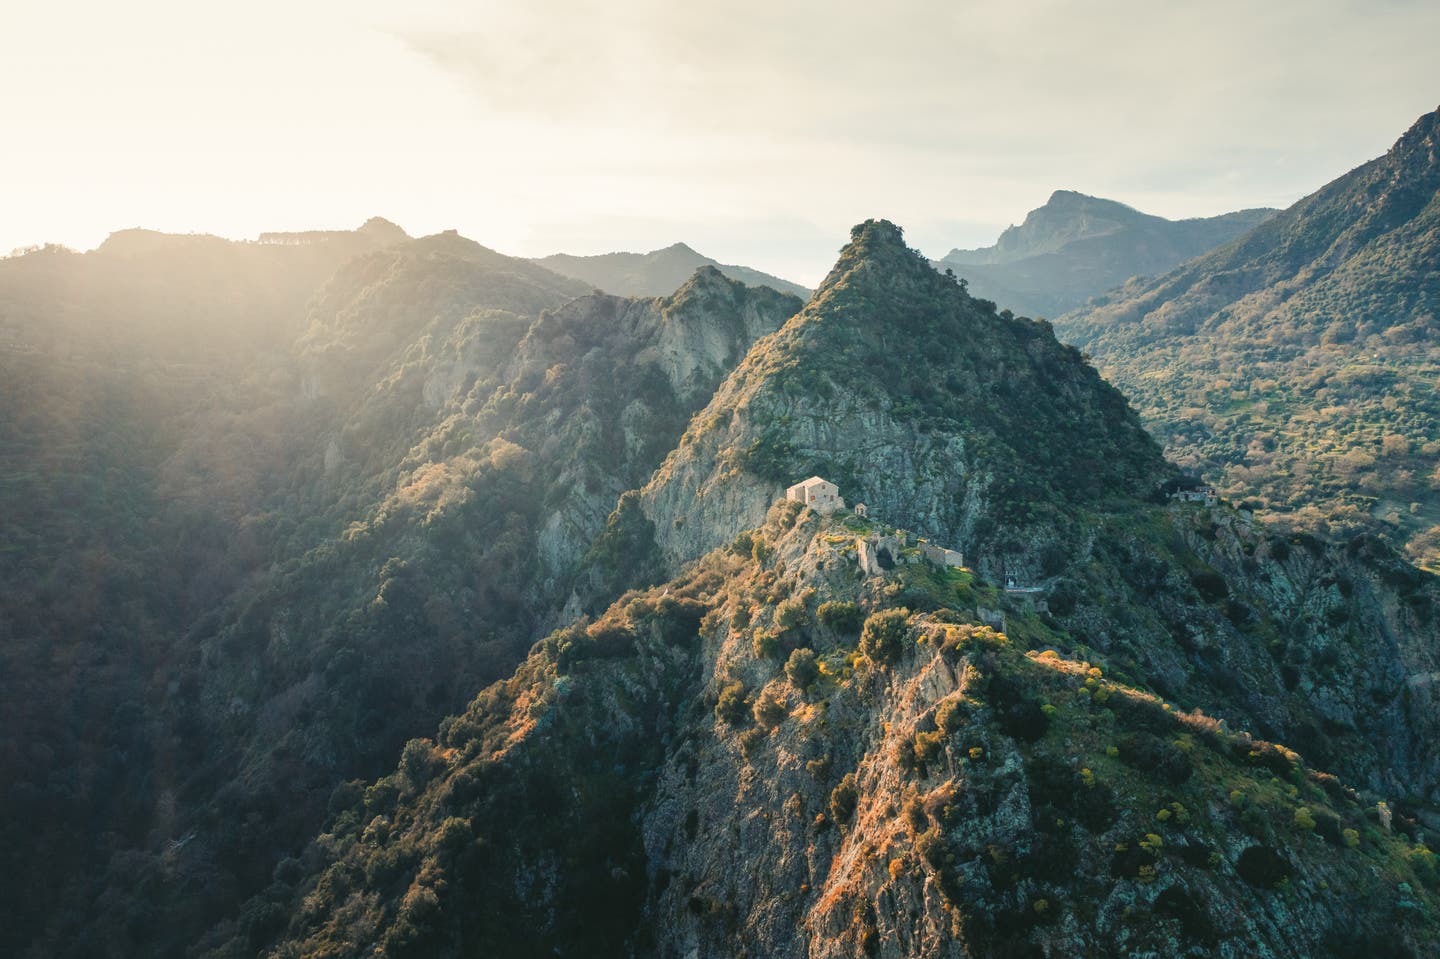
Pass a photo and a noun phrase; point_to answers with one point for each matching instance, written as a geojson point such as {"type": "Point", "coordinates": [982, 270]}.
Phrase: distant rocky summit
{"type": "Point", "coordinates": [657, 273]}
{"type": "Point", "coordinates": [1076, 246]}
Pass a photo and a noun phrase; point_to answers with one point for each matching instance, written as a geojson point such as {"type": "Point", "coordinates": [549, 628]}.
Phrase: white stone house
{"type": "Point", "coordinates": [820, 495]}
{"type": "Point", "coordinates": [1205, 494]}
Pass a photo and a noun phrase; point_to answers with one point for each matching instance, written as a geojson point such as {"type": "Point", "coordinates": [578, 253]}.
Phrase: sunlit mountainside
{"type": "Point", "coordinates": [373, 595]}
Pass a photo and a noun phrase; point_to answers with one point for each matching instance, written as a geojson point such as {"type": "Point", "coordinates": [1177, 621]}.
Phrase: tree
{"type": "Point", "coordinates": [883, 638]}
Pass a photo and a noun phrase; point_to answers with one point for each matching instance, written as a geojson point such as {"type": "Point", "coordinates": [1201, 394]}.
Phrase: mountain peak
{"type": "Point", "coordinates": [1061, 197]}
{"type": "Point", "coordinates": [879, 242]}
{"type": "Point", "coordinates": [382, 230]}
{"type": "Point", "coordinates": [1076, 246]}
{"type": "Point", "coordinates": [878, 234]}
{"type": "Point", "coordinates": [916, 398]}
{"type": "Point", "coordinates": [657, 273]}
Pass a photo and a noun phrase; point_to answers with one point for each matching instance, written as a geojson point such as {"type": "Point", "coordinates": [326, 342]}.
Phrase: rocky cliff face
{"type": "Point", "coordinates": [634, 371]}
{"type": "Point", "coordinates": [943, 416]}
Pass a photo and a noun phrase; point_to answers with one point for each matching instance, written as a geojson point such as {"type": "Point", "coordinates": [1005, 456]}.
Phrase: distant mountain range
{"type": "Point", "coordinates": [1298, 365]}
{"type": "Point", "coordinates": [657, 273]}
{"type": "Point", "coordinates": [1076, 246]}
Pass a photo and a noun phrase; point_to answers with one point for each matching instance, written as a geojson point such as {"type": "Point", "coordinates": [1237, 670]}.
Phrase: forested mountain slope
{"type": "Point", "coordinates": [296, 556]}
{"type": "Point", "coordinates": [1298, 365]}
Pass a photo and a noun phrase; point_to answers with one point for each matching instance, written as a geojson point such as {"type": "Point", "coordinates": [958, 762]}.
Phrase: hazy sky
{"type": "Point", "coordinates": [756, 131]}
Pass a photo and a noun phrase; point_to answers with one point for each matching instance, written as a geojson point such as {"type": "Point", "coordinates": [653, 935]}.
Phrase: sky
{"type": "Point", "coordinates": [757, 132]}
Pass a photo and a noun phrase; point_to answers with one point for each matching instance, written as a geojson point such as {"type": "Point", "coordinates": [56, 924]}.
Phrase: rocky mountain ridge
{"type": "Point", "coordinates": [657, 273]}
{"type": "Point", "coordinates": [1077, 246]}
{"type": "Point", "coordinates": [785, 760]}
{"type": "Point", "coordinates": [921, 402]}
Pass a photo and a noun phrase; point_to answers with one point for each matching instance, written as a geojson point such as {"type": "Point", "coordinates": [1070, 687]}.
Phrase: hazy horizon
{"type": "Point", "coordinates": [756, 135]}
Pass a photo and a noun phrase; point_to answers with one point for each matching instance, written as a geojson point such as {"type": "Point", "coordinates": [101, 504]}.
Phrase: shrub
{"type": "Point", "coordinates": [1025, 721]}
{"type": "Point", "coordinates": [843, 799]}
{"type": "Point", "coordinates": [610, 638]}
{"type": "Point", "coordinates": [949, 716]}
{"type": "Point", "coordinates": [842, 617]}
{"type": "Point", "coordinates": [1210, 585]}
{"type": "Point", "coordinates": [927, 746]}
{"type": "Point", "coordinates": [1019, 716]}
{"type": "Point", "coordinates": [732, 705]}
{"type": "Point", "coordinates": [790, 615]}
{"type": "Point", "coordinates": [1426, 865]}
{"type": "Point", "coordinates": [883, 638]}
{"type": "Point", "coordinates": [1179, 903]}
{"type": "Point", "coordinates": [801, 669]}
{"type": "Point", "coordinates": [418, 762]}
{"type": "Point", "coordinates": [770, 708]}
{"type": "Point", "coordinates": [1262, 867]}
{"type": "Point", "coordinates": [903, 754]}
{"type": "Point", "coordinates": [1146, 751]}
{"type": "Point", "coordinates": [678, 620]}
{"type": "Point", "coordinates": [932, 847]}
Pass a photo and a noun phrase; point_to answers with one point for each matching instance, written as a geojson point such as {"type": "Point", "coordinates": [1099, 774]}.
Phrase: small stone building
{"type": "Point", "coordinates": [820, 495]}
{"type": "Point", "coordinates": [941, 556]}
{"type": "Point", "coordinates": [877, 554]}
{"type": "Point", "coordinates": [1203, 494]}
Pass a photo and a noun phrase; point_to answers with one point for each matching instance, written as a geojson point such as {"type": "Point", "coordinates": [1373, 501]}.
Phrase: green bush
{"type": "Point", "coordinates": [883, 638]}
{"type": "Point", "coordinates": [843, 799]}
{"type": "Point", "coordinates": [732, 706]}
{"type": "Point", "coordinates": [1146, 751]}
{"type": "Point", "coordinates": [842, 617]}
{"type": "Point", "coordinates": [927, 746]}
{"type": "Point", "coordinates": [766, 644]}
{"type": "Point", "coordinates": [790, 615]}
{"type": "Point", "coordinates": [769, 708]}
{"type": "Point", "coordinates": [801, 669]}
{"type": "Point", "coordinates": [949, 716]}
{"type": "Point", "coordinates": [1262, 867]}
